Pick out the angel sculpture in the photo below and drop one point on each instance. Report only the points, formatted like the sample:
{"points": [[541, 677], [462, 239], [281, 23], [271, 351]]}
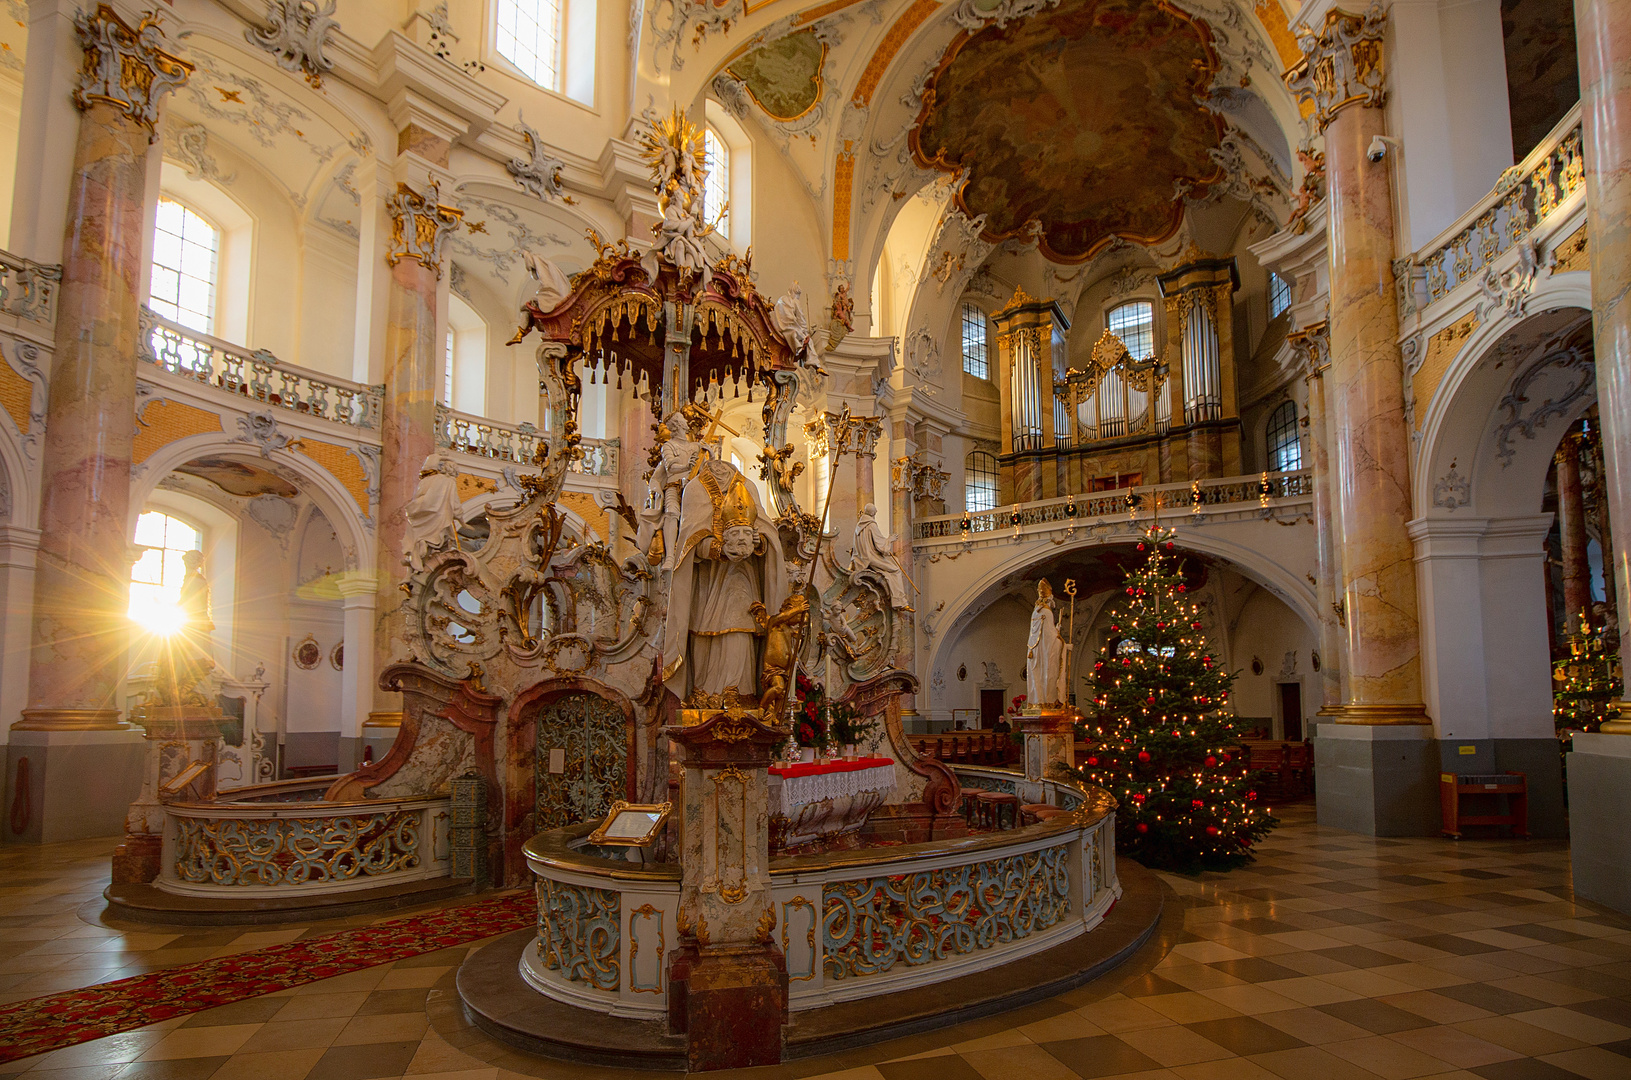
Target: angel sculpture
{"points": [[553, 285]]}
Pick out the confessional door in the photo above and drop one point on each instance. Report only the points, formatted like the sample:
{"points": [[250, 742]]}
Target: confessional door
{"points": [[990, 707], [582, 761], [1291, 711]]}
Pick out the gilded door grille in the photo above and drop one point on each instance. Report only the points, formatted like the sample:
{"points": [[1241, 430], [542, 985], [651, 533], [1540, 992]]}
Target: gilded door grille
{"points": [[591, 732]]}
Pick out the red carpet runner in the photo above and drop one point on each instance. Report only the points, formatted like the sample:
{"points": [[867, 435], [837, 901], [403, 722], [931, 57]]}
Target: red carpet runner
{"points": [[41, 1024]]}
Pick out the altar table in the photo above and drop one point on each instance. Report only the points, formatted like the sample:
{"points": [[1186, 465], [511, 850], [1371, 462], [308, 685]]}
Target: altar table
{"points": [[828, 798]]}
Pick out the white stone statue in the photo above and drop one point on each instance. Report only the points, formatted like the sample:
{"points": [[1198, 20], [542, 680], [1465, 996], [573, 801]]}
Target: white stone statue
{"points": [[729, 559], [677, 455], [1045, 655], [793, 324], [553, 285], [679, 238], [432, 516], [875, 552]]}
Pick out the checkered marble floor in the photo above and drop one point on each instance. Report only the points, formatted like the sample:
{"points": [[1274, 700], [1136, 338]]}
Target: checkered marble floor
{"points": [[1334, 957]]}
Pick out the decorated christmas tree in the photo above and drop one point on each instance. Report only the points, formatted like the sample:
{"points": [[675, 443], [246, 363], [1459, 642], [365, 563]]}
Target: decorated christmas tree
{"points": [[1586, 683], [1160, 731]]}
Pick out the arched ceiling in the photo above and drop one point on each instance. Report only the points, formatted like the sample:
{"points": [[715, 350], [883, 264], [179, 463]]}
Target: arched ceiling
{"points": [[1083, 123]]}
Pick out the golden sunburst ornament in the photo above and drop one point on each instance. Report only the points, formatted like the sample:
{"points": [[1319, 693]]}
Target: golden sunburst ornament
{"points": [[672, 146]]}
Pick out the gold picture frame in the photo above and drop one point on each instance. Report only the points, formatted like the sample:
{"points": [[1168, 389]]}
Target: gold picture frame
{"points": [[631, 824]]}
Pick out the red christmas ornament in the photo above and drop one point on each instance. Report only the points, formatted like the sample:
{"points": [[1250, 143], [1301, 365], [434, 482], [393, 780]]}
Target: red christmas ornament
{"points": [[1245, 841], [1196, 803], [1160, 626], [1150, 700], [1211, 830], [1143, 827], [1226, 759], [1251, 796], [1211, 761], [1194, 626], [1169, 545], [1138, 796], [1144, 756], [1141, 547], [1092, 761], [1182, 587]]}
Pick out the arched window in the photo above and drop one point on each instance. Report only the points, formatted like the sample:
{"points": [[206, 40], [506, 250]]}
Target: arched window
{"points": [[716, 187], [1134, 323], [980, 486], [1279, 296], [185, 247], [155, 579], [1285, 448], [976, 349], [529, 36]]}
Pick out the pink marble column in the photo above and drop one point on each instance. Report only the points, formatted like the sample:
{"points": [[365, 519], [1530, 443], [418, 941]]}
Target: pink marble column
{"points": [[1343, 76], [82, 581], [1571, 520], [408, 426], [1603, 33], [1316, 343]]}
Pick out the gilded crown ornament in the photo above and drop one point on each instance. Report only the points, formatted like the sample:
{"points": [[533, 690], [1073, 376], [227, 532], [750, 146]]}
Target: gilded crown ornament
{"points": [[1341, 65], [419, 225], [127, 68]]}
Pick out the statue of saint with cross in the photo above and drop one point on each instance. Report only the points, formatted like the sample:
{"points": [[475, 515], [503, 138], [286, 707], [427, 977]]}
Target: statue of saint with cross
{"points": [[679, 456]]}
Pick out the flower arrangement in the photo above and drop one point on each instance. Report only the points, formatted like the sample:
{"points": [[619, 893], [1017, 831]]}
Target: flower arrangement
{"points": [[810, 717]]}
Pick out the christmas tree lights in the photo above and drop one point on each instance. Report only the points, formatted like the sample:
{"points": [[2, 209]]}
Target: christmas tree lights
{"points": [[1161, 732], [1586, 682]]}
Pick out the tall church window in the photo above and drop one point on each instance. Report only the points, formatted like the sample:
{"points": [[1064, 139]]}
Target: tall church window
{"points": [[1134, 323], [980, 485], [716, 188], [185, 250], [155, 579], [1279, 295], [976, 343], [529, 36], [1285, 448]]}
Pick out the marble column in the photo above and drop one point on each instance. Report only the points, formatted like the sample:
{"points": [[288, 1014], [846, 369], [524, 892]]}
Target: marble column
{"points": [[419, 226], [1314, 343], [1571, 520], [868, 432], [1342, 75], [358, 597]]}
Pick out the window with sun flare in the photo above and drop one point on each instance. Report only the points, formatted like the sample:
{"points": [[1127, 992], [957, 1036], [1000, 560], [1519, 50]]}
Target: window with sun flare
{"points": [[155, 580]]}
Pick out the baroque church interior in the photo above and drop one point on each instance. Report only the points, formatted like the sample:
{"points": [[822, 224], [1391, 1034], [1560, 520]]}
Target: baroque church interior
{"points": [[868, 539]]}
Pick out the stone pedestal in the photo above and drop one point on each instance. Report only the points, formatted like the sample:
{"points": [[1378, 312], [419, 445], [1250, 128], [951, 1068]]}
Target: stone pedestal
{"points": [[1599, 771], [177, 740], [1050, 739], [727, 978]]}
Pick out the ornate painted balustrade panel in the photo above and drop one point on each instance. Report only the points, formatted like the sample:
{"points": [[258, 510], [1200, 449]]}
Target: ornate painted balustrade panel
{"points": [[852, 925], [1233, 496], [257, 375], [267, 849]]}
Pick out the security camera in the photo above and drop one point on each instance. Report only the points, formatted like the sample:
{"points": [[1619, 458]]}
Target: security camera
{"points": [[1378, 148]]}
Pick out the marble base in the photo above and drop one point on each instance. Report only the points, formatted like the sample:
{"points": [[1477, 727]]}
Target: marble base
{"points": [[80, 783], [735, 1003], [1377, 780], [1599, 769]]}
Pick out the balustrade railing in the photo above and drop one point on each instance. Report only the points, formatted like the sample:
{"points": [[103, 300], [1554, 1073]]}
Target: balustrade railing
{"points": [[257, 375], [469, 434], [1525, 196], [28, 290], [1195, 496]]}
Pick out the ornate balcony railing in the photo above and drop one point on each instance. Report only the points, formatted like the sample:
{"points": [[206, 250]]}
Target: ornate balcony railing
{"points": [[28, 290], [1196, 496], [465, 433], [1525, 196], [258, 375]]}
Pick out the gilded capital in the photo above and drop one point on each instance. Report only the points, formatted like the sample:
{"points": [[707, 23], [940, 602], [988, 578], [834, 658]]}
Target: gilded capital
{"points": [[419, 225], [1341, 65], [1313, 348], [127, 68], [868, 429]]}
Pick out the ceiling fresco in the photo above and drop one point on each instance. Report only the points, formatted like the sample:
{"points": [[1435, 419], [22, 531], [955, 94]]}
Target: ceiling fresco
{"points": [[783, 76], [1084, 122]]}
